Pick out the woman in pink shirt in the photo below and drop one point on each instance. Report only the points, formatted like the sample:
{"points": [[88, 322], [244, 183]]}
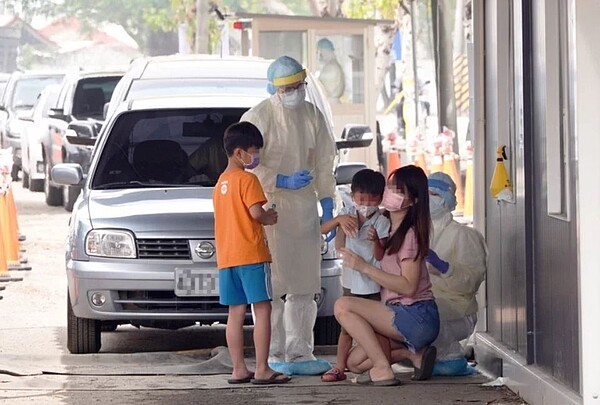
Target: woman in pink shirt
{"points": [[406, 320]]}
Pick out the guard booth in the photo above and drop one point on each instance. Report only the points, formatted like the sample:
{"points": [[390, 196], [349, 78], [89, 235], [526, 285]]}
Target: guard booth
{"points": [[340, 52]]}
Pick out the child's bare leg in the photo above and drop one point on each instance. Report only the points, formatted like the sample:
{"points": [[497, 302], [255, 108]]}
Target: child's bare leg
{"points": [[358, 362], [262, 339], [235, 340], [344, 345]]}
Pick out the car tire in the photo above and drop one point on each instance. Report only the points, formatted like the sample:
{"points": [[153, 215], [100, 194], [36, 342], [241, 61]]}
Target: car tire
{"points": [[25, 179], [70, 195], [36, 185], [326, 330], [54, 195], [83, 335]]}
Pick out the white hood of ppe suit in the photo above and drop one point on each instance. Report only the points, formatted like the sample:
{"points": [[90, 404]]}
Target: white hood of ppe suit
{"points": [[465, 250]]}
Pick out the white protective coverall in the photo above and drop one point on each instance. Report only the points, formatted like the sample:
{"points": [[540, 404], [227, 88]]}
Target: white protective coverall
{"points": [[294, 139], [465, 250]]}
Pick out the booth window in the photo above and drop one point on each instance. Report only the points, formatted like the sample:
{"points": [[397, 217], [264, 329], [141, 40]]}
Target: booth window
{"points": [[341, 68], [274, 44], [557, 142]]}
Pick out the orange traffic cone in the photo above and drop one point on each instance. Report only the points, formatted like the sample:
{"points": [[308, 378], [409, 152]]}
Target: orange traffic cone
{"points": [[437, 164], [393, 161], [468, 210], [451, 169], [421, 162], [7, 242], [3, 265], [9, 235]]}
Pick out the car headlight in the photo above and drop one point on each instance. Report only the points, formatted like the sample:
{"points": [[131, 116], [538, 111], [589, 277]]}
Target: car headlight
{"points": [[110, 243]]}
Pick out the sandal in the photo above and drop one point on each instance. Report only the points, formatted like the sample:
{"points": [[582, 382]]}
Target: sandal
{"points": [[427, 362], [333, 375]]}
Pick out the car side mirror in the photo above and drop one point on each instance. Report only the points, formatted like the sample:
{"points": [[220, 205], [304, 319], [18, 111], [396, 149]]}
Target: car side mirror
{"points": [[345, 171], [3, 107], [83, 129], [58, 113], [355, 136], [75, 139]]}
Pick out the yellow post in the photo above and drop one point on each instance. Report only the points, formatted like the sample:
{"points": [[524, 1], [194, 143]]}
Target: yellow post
{"points": [[468, 211]]}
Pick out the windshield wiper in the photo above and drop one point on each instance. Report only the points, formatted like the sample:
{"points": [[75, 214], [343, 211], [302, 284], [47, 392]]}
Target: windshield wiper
{"points": [[135, 183], [19, 106]]}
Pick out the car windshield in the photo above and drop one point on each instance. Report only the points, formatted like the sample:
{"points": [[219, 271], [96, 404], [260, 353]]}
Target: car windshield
{"points": [[91, 94], [28, 89], [168, 87], [165, 148]]}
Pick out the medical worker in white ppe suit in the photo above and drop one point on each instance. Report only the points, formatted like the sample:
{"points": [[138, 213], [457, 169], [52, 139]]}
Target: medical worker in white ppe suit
{"points": [[296, 173], [457, 266]]}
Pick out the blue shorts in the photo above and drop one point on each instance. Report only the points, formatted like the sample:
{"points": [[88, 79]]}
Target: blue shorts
{"points": [[246, 284], [419, 323]]}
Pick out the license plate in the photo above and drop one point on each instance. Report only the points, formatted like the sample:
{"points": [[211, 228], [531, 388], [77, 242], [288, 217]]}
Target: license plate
{"points": [[196, 282]]}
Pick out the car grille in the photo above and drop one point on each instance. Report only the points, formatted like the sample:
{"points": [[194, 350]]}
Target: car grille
{"points": [[168, 302], [164, 249]]}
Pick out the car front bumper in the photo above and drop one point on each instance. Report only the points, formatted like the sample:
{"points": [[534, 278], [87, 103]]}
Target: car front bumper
{"points": [[144, 290]]}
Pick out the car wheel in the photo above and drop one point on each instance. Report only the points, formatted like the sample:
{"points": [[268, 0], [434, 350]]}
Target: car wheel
{"points": [[54, 195], [70, 195], [83, 335], [25, 179], [327, 331], [35, 184]]}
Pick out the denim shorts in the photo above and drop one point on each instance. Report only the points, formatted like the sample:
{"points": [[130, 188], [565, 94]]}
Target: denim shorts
{"points": [[246, 284], [419, 323]]}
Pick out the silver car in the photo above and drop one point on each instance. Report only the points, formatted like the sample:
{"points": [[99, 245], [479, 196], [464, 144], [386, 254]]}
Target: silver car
{"points": [[140, 248]]}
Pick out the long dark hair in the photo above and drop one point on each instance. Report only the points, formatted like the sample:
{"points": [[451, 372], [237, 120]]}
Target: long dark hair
{"points": [[413, 181]]}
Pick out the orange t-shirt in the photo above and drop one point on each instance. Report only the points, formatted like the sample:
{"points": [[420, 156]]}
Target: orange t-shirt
{"points": [[240, 239]]}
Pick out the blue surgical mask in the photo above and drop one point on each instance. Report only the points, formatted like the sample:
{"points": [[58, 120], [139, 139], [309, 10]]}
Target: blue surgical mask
{"points": [[437, 208], [253, 163], [293, 99]]}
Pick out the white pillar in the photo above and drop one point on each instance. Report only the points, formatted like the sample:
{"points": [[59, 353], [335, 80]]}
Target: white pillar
{"points": [[587, 128]]}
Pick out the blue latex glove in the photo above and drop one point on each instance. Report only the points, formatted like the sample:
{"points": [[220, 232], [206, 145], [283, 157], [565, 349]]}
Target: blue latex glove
{"points": [[295, 181], [327, 207], [433, 259]]}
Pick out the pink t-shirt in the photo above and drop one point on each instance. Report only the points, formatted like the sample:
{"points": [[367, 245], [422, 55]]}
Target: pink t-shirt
{"points": [[392, 264]]}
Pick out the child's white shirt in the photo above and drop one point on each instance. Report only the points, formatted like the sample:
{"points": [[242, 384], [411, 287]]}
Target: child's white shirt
{"points": [[353, 280]]}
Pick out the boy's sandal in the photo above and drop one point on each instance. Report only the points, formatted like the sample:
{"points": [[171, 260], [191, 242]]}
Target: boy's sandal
{"points": [[333, 375]]}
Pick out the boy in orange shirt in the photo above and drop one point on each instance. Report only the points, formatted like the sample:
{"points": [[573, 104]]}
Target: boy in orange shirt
{"points": [[242, 254]]}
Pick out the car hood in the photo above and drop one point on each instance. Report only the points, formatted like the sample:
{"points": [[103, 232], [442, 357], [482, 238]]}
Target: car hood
{"points": [[156, 212]]}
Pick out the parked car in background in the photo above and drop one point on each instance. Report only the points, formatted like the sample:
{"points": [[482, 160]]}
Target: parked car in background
{"points": [[80, 104], [3, 81], [140, 248], [209, 74], [35, 131], [20, 94]]}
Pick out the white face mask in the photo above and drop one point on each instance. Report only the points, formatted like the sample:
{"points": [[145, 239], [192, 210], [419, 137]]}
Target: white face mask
{"points": [[436, 206], [293, 99], [366, 210]]}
